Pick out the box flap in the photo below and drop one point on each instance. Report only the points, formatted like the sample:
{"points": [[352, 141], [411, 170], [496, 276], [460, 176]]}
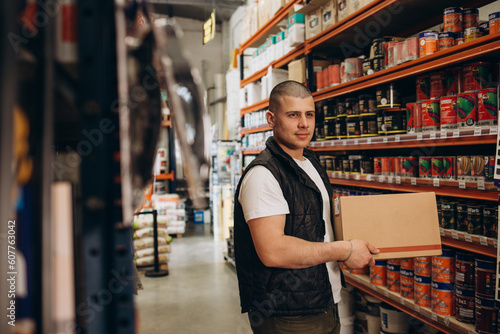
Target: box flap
{"points": [[312, 5], [400, 225]]}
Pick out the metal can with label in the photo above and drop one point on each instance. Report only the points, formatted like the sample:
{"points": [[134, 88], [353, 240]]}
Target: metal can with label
{"points": [[464, 167], [475, 219], [448, 112], [464, 304], [410, 117], [448, 215], [446, 40], [425, 167], [490, 222], [449, 168], [394, 121], [422, 291], [428, 42], [472, 33], [423, 87], [464, 269], [377, 165], [352, 106], [461, 217], [341, 127], [494, 23], [477, 76], [487, 107], [452, 19], [437, 167], [368, 125], [437, 84], [388, 96], [453, 82], [467, 110], [367, 104], [471, 17], [353, 130], [430, 115], [329, 126], [378, 63], [387, 164], [409, 166]]}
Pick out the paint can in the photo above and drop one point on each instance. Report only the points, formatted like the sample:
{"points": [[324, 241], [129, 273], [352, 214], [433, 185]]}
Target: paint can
{"points": [[387, 166], [453, 82], [425, 167], [377, 47], [437, 85], [485, 28], [380, 122], [353, 130], [475, 219], [367, 165], [409, 166], [448, 112], [341, 127], [411, 48], [367, 104], [394, 121], [406, 283], [388, 96], [329, 108], [378, 63], [490, 222], [428, 42], [464, 270], [465, 304], [430, 115], [399, 53], [446, 40], [437, 167], [464, 166], [448, 215], [329, 128], [340, 109], [406, 263], [361, 271], [352, 106], [489, 167], [422, 266], [485, 275], [461, 217], [442, 298], [393, 276], [449, 168], [471, 17], [334, 74], [487, 107], [389, 53], [472, 33], [443, 267], [368, 125], [459, 38], [486, 316], [377, 165], [452, 19], [477, 168], [378, 273], [422, 290], [423, 87], [494, 23], [477, 76], [410, 117], [368, 66], [467, 110]]}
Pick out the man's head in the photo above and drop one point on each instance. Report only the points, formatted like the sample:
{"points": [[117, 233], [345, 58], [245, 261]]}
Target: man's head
{"points": [[291, 115]]}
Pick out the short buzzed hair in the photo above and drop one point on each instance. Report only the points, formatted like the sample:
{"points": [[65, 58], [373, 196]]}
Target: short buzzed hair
{"points": [[287, 88]]}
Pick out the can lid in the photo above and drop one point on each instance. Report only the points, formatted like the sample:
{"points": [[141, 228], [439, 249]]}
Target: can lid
{"points": [[352, 116]]}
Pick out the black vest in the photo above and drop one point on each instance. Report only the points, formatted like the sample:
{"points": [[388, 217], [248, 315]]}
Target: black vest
{"points": [[278, 291]]}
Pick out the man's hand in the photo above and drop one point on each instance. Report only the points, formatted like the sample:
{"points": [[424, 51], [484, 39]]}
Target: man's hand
{"points": [[361, 254]]}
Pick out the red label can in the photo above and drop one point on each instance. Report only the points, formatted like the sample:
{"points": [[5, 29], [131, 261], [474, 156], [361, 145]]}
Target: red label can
{"points": [[377, 165], [477, 76], [487, 107], [397, 166], [449, 168], [422, 291], [410, 117], [425, 167], [494, 20], [448, 112], [453, 83], [466, 109], [409, 166], [388, 166], [437, 85], [407, 264], [443, 269], [442, 298], [423, 88], [452, 19], [437, 167], [422, 266], [378, 273], [430, 115], [471, 17], [446, 40], [406, 285], [393, 276]]}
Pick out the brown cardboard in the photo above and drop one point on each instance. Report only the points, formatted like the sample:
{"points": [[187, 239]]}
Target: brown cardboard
{"points": [[297, 70], [314, 25], [329, 14], [400, 225]]}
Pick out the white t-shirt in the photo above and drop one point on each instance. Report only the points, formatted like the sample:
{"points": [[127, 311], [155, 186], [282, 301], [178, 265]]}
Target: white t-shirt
{"points": [[261, 196]]}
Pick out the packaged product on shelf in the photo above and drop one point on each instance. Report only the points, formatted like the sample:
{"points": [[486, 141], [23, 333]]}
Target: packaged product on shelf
{"points": [[409, 166], [442, 298], [437, 167], [263, 12], [446, 40], [477, 167], [461, 217], [443, 267], [487, 110], [448, 215], [150, 260], [428, 41], [431, 115], [399, 56], [253, 93], [477, 76], [329, 14], [410, 117], [393, 276], [378, 273], [341, 127], [407, 283], [425, 167], [378, 63], [141, 253], [350, 69], [494, 23], [486, 315], [485, 274], [367, 165], [355, 164], [330, 167], [394, 120], [471, 34], [393, 320], [465, 304], [313, 23], [411, 48], [423, 84], [448, 112], [377, 165], [464, 270], [485, 28], [296, 30], [449, 168], [490, 222], [459, 38], [368, 125], [464, 166], [422, 266], [453, 81], [471, 17], [475, 219], [148, 232], [437, 80], [422, 291], [149, 242], [334, 75], [297, 70], [367, 104], [387, 166], [342, 9], [452, 19]]}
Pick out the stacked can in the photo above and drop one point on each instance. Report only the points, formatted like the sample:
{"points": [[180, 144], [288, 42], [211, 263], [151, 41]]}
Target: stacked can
{"points": [[393, 275], [486, 313], [464, 287], [442, 286], [330, 119], [378, 273], [423, 279], [406, 278], [391, 119], [448, 218], [477, 77]]}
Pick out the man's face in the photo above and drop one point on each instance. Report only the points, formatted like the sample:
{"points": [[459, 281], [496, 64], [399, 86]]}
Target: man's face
{"points": [[293, 124]]}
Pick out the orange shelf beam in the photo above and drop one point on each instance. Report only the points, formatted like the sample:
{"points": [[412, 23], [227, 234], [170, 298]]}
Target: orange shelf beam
{"points": [[257, 106], [441, 191], [263, 128], [252, 152], [161, 177], [470, 247]]}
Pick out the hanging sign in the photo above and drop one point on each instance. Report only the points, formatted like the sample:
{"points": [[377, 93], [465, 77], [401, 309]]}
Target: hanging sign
{"points": [[209, 29]]}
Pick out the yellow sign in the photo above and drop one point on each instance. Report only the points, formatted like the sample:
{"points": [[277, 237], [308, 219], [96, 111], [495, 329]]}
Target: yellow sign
{"points": [[209, 29]]}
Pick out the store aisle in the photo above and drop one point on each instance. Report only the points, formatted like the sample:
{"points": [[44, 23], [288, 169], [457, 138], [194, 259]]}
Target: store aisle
{"points": [[200, 294]]}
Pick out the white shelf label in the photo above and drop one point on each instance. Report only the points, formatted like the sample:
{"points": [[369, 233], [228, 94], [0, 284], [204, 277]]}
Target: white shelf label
{"points": [[447, 321], [432, 135], [397, 138], [417, 308], [495, 243], [454, 234], [493, 130], [456, 133], [369, 177], [468, 237], [483, 241], [385, 139], [480, 184], [413, 181], [436, 182], [434, 316], [420, 136], [444, 134], [402, 301], [369, 141], [398, 179], [344, 142], [461, 184], [390, 179], [346, 176], [356, 142], [381, 178], [471, 331], [386, 293], [357, 177], [441, 231], [477, 131]]}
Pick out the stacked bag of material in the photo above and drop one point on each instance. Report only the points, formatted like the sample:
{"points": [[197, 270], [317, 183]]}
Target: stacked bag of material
{"points": [[144, 240], [171, 211]]}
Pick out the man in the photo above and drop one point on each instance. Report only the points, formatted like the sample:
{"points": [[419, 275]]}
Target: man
{"points": [[286, 256]]}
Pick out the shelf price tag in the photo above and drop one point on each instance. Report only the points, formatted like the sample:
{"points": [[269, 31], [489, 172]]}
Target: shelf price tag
{"points": [[477, 131], [468, 237], [456, 133], [356, 141], [434, 316], [386, 293], [420, 136], [495, 243], [369, 141], [461, 184], [398, 179], [417, 308], [390, 179], [344, 142], [369, 177], [413, 181], [381, 178], [436, 182], [357, 177], [483, 241], [402, 300], [447, 321], [454, 235], [493, 130], [385, 139], [444, 134], [432, 135], [346, 176], [397, 138], [480, 184], [441, 231]]}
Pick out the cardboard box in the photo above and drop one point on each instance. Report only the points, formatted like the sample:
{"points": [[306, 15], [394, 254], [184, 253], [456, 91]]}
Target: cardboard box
{"points": [[400, 225], [296, 30], [329, 14], [354, 6], [297, 70], [314, 24], [342, 9]]}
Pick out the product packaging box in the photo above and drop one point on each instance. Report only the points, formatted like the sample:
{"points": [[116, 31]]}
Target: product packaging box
{"points": [[296, 30], [313, 23], [329, 14], [343, 8], [297, 70], [354, 6], [399, 225]]}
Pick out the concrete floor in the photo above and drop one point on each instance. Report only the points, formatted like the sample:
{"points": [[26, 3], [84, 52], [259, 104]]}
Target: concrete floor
{"points": [[200, 294]]}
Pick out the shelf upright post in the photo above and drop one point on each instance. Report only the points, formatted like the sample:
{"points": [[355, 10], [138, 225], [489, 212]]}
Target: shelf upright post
{"points": [[105, 302], [242, 65], [310, 72]]}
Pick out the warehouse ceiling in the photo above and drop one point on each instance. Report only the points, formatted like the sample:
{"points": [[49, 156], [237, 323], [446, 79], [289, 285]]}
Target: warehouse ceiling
{"points": [[197, 9]]}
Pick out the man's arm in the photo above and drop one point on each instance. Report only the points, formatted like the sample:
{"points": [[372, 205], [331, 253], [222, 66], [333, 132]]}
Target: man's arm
{"points": [[275, 249]]}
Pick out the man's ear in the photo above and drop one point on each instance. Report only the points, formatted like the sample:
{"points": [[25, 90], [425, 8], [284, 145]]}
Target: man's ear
{"points": [[271, 118]]}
